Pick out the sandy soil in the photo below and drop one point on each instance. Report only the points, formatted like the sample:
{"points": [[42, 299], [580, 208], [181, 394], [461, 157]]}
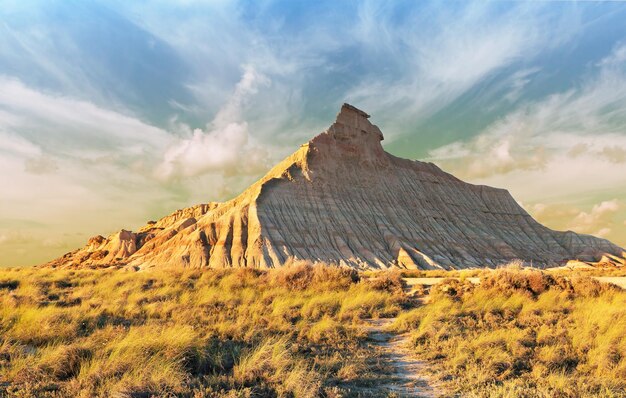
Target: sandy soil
{"points": [[407, 378], [616, 280]]}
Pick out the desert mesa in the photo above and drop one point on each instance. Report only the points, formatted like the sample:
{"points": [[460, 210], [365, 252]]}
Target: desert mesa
{"points": [[340, 198]]}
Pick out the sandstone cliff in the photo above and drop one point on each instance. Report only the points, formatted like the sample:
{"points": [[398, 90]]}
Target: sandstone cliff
{"points": [[340, 198]]}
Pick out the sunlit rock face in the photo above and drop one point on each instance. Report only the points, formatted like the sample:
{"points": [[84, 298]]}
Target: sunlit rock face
{"points": [[340, 198]]}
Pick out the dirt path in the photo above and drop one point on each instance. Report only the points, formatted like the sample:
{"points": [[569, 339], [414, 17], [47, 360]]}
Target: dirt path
{"points": [[406, 379]]}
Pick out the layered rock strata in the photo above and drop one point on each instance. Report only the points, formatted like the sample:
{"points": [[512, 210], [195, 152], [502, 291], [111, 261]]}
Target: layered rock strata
{"points": [[340, 198]]}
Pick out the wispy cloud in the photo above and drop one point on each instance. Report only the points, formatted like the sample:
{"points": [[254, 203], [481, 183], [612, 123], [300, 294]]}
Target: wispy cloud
{"points": [[119, 169], [225, 146], [65, 125], [563, 152], [588, 122], [89, 52], [120, 111], [599, 219], [65, 160], [445, 51], [518, 81]]}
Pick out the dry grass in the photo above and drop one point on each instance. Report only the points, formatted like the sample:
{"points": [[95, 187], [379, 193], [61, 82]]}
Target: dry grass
{"points": [[298, 332], [596, 271], [524, 333], [189, 333], [466, 273]]}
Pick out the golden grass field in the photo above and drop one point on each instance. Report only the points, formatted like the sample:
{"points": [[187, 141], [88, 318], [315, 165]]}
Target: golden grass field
{"points": [[209, 333], [302, 332], [523, 333]]}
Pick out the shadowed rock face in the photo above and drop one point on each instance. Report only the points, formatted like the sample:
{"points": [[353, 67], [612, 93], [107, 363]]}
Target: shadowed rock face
{"points": [[341, 198]]}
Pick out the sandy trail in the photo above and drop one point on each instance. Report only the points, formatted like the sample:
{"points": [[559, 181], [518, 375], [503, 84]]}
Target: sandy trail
{"points": [[407, 379], [616, 280]]}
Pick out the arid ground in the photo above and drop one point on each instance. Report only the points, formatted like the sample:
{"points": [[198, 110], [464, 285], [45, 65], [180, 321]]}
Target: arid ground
{"points": [[307, 331]]}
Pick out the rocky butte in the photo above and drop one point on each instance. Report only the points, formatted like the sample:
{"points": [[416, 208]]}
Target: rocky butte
{"points": [[340, 198]]}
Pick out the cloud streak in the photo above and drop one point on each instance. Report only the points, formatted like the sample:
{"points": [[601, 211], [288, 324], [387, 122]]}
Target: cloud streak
{"points": [[557, 127], [65, 125], [600, 219], [597, 221], [116, 112], [446, 51], [225, 146]]}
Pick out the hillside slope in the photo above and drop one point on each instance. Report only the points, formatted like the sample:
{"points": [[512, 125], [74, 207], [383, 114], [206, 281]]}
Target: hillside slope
{"points": [[341, 198]]}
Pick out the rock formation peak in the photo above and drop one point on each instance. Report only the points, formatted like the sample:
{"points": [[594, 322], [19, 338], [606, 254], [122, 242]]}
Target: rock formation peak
{"points": [[340, 198], [351, 139], [353, 127]]}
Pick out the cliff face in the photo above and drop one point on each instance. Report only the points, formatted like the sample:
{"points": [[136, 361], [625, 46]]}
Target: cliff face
{"points": [[342, 199]]}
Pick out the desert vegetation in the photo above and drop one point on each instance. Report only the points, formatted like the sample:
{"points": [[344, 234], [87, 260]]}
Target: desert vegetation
{"points": [[240, 332], [523, 333], [301, 331]]}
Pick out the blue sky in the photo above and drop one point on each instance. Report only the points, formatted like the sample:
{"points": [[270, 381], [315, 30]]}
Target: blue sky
{"points": [[114, 112]]}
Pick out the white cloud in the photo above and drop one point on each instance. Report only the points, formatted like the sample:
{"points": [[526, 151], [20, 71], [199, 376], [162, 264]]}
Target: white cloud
{"points": [[444, 51], [87, 147], [616, 58], [614, 154], [225, 146], [44, 132], [506, 146], [102, 161], [11, 143], [67, 125], [555, 129], [34, 48], [242, 35], [598, 220], [518, 81], [399, 67]]}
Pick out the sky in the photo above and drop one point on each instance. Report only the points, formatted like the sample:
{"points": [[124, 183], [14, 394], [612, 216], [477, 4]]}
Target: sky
{"points": [[113, 113]]}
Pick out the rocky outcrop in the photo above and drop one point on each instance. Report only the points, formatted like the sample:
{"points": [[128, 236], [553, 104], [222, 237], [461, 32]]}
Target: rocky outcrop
{"points": [[340, 198]]}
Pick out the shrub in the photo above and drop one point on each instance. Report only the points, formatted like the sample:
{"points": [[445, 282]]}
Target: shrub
{"points": [[10, 284], [389, 281]]}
